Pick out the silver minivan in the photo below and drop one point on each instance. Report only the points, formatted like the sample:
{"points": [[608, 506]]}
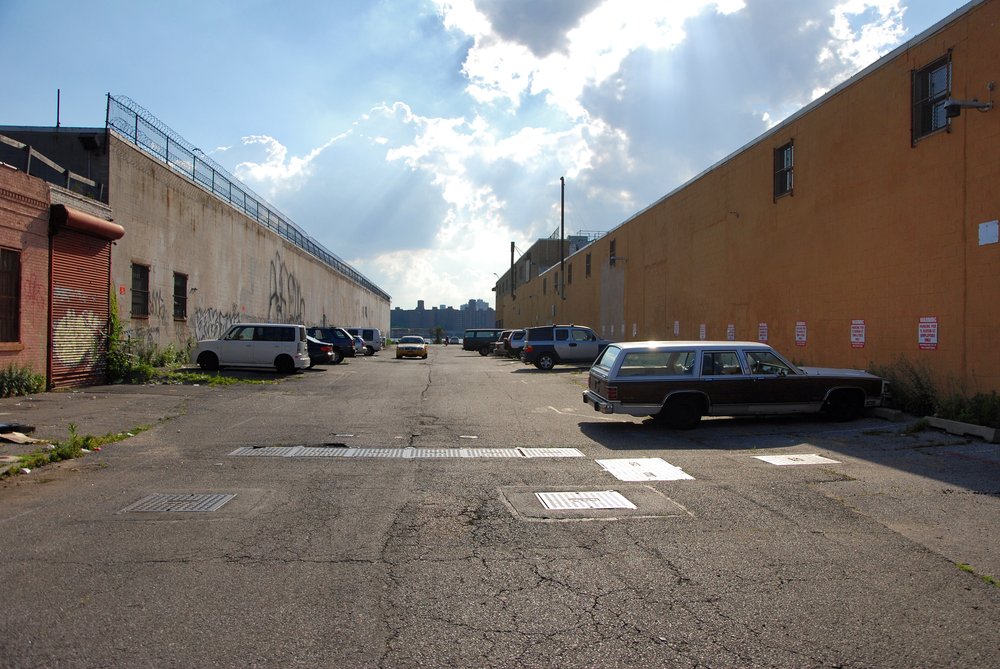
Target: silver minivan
{"points": [[279, 345], [372, 337]]}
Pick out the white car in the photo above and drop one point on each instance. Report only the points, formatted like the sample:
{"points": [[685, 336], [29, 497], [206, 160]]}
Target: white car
{"points": [[279, 345]]}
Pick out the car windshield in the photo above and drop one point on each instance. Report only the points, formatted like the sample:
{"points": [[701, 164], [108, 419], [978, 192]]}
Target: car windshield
{"points": [[411, 340]]}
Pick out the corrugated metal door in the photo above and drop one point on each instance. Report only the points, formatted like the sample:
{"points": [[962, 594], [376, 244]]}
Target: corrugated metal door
{"points": [[81, 272]]}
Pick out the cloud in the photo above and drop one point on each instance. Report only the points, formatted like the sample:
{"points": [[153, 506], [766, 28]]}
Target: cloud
{"points": [[625, 100], [278, 172]]}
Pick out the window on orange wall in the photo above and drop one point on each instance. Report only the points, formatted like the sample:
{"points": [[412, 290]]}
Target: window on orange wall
{"points": [[784, 170], [586, 267], [569, 274], [611, 259], [10, 295], [931, 88], [140, 291]]}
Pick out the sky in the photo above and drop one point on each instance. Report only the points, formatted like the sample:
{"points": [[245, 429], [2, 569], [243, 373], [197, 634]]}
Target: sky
{"points": [[416, 139]]}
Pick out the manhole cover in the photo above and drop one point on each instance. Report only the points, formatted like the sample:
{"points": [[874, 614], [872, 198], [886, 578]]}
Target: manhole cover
{"points": [[804, 459], [604, 499], [643, 469], [185, 502]]}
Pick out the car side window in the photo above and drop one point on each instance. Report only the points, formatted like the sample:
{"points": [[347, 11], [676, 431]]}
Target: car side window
{"points": [[562, 335], [765, 362], [241, 334], [583, 335], [720, 363]]}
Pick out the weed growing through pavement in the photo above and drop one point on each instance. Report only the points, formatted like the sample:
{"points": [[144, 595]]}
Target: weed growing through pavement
{"points": [[74, 447], [985, 578]]}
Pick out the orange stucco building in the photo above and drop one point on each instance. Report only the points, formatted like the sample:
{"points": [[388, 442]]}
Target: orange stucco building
{"points": [[861, 229]]}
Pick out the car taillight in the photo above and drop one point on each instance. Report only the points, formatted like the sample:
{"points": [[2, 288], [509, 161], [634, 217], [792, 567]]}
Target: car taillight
{"points": [[528, 348], [613, 393], [326, 349]]}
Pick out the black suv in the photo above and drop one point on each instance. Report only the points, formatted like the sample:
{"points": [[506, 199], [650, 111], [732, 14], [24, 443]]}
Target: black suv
{"points": [[545, 347], [341, 341]]}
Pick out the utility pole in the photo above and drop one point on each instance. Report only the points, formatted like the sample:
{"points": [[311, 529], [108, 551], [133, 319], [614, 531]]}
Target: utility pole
{"points": [[562, 237]]}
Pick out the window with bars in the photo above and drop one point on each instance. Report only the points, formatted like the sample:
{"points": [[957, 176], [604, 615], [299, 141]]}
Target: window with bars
{"points": [[140, 291], [586, 266], [784, 170], [612, 256], [10, 295], [931, 89], [180, 296]]}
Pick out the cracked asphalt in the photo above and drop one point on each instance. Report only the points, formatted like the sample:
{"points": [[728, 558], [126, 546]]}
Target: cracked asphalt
{"points": [[882, 558]]}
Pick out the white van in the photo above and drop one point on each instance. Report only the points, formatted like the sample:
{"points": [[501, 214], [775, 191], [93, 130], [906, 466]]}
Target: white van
{"points": [[372, 337], [279, 345]]}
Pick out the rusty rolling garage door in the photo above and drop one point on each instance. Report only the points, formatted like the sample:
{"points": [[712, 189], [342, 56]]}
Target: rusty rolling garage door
{"points": [[81, 275]]}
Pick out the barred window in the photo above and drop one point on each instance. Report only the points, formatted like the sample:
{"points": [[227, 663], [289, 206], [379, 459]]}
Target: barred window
{"points": [[140, 291], [10, 295], [587, 266], [180, 296], [931, 89], [784, 170]]}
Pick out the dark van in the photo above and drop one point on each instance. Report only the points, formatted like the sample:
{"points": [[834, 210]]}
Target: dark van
{"points": [[480, 340]]}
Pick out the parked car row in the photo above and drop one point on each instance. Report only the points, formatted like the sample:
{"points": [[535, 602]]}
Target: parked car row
{"points": [[286, 347]]}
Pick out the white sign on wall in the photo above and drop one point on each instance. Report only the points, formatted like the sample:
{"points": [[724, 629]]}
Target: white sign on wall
{"points": [[858, 333], [762, 332], [731, 332], [800, 333], [677, 328], [702, 330], [927, 333]]}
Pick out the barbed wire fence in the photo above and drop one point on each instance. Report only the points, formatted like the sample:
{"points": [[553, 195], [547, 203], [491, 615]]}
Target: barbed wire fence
{"points": [[136, 125]]}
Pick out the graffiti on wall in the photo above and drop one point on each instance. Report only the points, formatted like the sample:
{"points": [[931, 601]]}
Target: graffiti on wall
{"points": [[211, 323], [286, 302], [76, 338], [157, 305]]}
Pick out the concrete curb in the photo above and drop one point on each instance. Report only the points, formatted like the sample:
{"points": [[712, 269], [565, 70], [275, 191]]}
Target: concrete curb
{"points": [[987, 434]]}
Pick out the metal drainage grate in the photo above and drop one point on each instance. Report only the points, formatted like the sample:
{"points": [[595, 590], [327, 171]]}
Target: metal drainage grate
{"points": [[603, 499], [188, 502], [404, 453]]}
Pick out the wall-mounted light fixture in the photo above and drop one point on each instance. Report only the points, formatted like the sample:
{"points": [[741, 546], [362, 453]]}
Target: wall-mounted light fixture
{"points": [[953, 108]]}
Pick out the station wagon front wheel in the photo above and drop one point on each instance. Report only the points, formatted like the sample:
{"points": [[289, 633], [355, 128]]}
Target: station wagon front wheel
{"points": [[284, 365], [681, 413]]}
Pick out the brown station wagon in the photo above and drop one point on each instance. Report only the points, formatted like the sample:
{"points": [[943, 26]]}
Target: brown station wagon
{"points": [[678, 382]]}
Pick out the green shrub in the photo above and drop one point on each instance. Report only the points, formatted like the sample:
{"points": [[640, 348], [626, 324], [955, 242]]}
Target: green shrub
{"points": [[911, 387], [980, 409], [16, 380]]}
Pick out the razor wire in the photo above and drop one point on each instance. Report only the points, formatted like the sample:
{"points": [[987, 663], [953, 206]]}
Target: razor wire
{"points": [[136, 125]]}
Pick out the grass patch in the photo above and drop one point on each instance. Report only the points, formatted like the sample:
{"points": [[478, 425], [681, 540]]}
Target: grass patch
{"points": [[74, 447], [985, 578]]}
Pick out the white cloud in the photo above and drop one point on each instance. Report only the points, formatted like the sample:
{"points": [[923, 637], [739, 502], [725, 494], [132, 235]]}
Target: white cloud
{"points": [[278, 172]]}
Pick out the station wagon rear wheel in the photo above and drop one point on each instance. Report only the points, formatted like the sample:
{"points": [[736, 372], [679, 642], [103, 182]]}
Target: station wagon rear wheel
{"points": [[681, 413], [484, 350], [338, 357]]}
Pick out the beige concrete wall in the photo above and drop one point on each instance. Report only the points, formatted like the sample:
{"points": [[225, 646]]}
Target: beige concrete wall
{"points": [[878, 230], [237, 270]]}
